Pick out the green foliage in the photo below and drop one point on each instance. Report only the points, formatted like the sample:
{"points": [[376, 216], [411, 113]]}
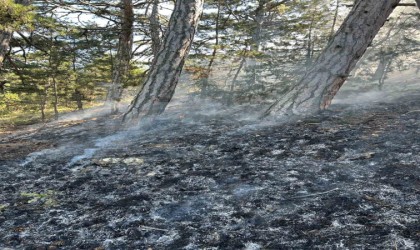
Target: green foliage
{"points": [[47, 199], [3, 207], [135, 77], [58, 65], [8, 98], [14, 16]]}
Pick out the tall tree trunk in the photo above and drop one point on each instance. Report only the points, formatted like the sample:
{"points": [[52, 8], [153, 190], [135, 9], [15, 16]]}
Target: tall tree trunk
{"points": [[206, 83], [164, 73], [5, 37], [2, 84], [337, 5], [78, 97], [121, 66], [55, 98], [229, 100], [155, 28], [384, 69], [310, 45], [255, 46], [44, 97], [323, 80]]}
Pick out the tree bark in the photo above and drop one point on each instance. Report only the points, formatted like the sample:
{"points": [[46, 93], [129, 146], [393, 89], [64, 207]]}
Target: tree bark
{"points": [[315, 91], [121, 66], [166, 68]]}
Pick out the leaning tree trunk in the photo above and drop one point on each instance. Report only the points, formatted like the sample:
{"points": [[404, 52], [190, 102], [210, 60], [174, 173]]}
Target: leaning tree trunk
{"points": [[323, 80], [167, 66], [121, 66]]}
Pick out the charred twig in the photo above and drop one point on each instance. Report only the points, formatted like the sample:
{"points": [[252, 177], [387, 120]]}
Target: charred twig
{"points": [[412, 111], [398, 5], [312, 195], [153, 228]]}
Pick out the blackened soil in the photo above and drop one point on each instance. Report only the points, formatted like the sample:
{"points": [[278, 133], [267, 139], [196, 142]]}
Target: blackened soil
{"points": [[346, 179]]}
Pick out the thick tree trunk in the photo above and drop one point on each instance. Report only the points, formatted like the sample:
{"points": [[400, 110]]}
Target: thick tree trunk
{"points": [[323, 80], [164, 73], [121, 66]]}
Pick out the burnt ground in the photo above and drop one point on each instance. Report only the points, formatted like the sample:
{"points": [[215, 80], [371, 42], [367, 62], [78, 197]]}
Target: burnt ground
{"points": [[348, 178]]}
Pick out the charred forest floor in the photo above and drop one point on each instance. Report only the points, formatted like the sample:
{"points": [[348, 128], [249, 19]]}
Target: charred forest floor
{"points": [[348, 178]]}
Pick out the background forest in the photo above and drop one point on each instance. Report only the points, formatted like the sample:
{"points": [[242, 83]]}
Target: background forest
{"points": [[66, 55]]}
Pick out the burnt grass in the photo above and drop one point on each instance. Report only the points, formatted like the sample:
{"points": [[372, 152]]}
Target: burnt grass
{"points": [[347, 178]]}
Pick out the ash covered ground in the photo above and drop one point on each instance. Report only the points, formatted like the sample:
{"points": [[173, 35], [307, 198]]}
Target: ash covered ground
{"points": [[347, 178]]}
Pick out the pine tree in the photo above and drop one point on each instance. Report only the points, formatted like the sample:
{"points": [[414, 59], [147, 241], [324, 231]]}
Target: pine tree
{"points": [[167, 66], [323, 80]]}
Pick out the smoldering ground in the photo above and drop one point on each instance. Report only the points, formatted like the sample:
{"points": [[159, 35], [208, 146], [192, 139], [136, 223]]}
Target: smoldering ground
{"points": [[345, 178]]}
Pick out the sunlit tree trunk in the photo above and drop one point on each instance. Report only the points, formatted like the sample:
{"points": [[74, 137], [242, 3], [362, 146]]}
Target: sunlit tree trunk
{"points": [[323, 80], [121, 66], [166, 68]]}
